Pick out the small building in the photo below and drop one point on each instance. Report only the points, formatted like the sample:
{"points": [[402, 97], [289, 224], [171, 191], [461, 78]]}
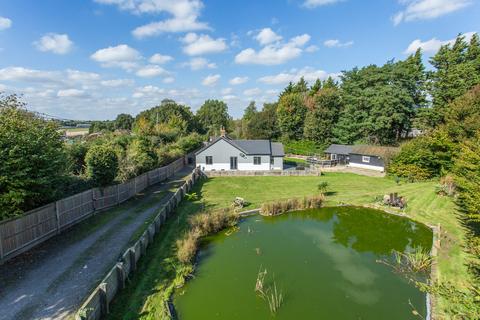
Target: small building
{"points": [[338, 152], [223, 153], [362, 156]]}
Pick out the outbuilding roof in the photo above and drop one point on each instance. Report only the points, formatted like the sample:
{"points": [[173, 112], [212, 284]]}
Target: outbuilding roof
{"points": [[384, 152], [339, 149], [277, 149]]}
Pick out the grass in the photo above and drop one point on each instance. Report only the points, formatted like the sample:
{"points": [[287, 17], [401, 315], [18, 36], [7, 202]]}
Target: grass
{"points": [[144, 298]]}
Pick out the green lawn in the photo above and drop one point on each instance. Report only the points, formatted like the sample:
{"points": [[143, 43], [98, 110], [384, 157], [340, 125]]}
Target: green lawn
{"points": [[424, 205]]}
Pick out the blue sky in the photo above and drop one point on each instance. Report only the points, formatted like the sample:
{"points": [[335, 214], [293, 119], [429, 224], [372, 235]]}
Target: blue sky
{"points": [[94, 59]]}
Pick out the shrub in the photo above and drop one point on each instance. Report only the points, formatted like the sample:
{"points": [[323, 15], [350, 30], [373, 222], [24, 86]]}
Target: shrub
{"points": [[102, 164], [322, 187], [447, 186], [410, 171], [187, 247], [211, 222], [32, 159]]}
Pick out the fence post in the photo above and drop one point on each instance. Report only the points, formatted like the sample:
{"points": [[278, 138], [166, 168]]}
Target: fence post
{"points": [[120, 275], [1, 245], [57, 216], [103, 298], [118, 195], [133, 264]]}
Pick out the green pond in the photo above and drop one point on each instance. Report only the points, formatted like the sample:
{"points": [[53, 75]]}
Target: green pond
{"points": [[325, 263]]}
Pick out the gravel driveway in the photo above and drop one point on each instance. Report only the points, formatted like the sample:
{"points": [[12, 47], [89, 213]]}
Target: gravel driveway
{"points": [[50, 281]]}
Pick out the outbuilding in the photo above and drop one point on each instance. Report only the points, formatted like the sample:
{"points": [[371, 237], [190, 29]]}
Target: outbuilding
{"points": [[361, 156]]}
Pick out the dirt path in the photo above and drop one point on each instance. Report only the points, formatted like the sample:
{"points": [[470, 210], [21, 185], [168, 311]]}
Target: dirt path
{"points": [[50, 281]]}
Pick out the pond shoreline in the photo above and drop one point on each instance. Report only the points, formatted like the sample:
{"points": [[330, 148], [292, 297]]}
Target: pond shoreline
{"points": [[430, 299]]}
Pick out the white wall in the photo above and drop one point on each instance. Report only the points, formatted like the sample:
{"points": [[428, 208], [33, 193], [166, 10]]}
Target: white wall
{"points": [[366, 166], [277, 163], [221, 151]]}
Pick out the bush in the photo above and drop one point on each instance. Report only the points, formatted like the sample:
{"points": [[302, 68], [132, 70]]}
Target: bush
{"points": [[447, 186], [303, 147], [411, 172], [102, 164], [32, 159], [424, 157], [187, 247]]}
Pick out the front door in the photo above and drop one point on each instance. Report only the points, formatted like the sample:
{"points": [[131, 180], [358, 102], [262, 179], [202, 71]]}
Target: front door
{"points": [[233, 163]]}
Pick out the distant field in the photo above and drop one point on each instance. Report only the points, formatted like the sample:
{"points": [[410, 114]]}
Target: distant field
{"points": [[72, 132]]}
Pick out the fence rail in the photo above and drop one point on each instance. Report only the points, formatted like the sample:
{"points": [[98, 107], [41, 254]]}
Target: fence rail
{"points": [[96, 305], [36, 226], [238, 173]]}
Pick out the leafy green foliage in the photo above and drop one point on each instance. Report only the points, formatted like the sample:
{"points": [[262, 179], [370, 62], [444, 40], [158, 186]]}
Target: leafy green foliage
{"points": [[265, 124], [303, 147], [424, 157], [124, 122], [457, 71], [322, 116], [32, 159], [467, 177], [102, 164], [213, 115], [291, 113]]}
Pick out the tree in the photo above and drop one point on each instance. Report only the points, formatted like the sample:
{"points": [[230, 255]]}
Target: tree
{"points": [[124, 121], [169, 116], [457, 71], [467, 177], [102, 164], [265, 124], [32, 159], [213, 115], [248, 115], [462, 116], [291, 113], [321, 119]]}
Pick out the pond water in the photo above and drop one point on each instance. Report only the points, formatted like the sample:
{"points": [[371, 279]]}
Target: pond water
{"points": [[325, 263]]}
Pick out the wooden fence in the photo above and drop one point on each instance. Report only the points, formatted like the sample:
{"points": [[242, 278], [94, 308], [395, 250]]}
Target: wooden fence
{"points": [[20, 234], [96, 305]]}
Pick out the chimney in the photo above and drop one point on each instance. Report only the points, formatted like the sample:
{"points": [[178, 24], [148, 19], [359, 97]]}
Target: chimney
{"points": [[222, 132]]}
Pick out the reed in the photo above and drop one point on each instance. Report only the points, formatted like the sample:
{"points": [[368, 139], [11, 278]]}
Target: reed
{"points": [[268, 292], [280, 207], [410, 264]]}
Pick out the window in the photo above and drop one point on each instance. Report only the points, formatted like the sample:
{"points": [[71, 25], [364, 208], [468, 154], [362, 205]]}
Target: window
{"points": [[333, 156], [272, 160], [257, 160], [209, 160], [366, 159]]}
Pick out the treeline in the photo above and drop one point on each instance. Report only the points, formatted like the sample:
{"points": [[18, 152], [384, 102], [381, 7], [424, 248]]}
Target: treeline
{"points": [[373, 104], [37, 166]]}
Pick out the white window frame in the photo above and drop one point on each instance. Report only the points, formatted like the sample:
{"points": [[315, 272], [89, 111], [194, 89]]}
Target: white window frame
{"points": [[333, 156], [366, 159], [206, 160], [259, 161]]}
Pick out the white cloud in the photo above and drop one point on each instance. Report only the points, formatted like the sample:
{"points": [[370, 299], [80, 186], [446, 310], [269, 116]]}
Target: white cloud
{"points": [[5, 23], [274, 54], [168, 80], [150, 71], [147, 91], [211, 80], [121, 56], [252, 92], [28, 75], [71, 93], [238, 80], [312, 48], [267, 36], [335, 43], [199, 63], [158, 58], [202, 44], [427, 9], [309, 74], [432, 45], [55, 43], [227, 91], [184, 15], [81, 76], [117, 83], [318, 3]]}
